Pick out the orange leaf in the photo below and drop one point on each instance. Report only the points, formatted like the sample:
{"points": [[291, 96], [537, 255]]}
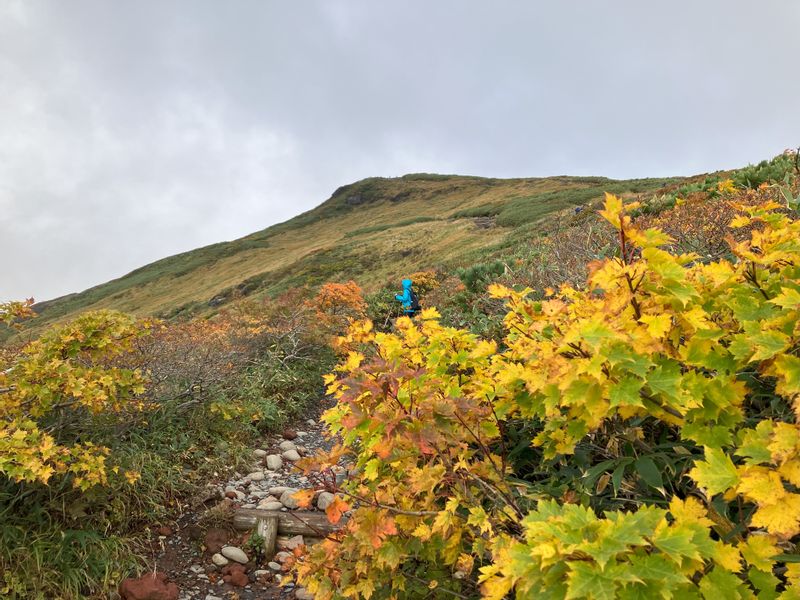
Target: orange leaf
{"points": [[304, 498], [336, 509]]}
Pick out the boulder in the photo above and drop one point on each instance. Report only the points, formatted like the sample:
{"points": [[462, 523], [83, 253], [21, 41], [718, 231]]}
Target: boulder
{"points": [[274, 462], [287, 445], [148, 587], [259, 453]]}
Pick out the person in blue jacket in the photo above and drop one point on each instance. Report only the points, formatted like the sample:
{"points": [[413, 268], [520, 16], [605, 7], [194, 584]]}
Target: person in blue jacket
{"points": [[408, 299]]}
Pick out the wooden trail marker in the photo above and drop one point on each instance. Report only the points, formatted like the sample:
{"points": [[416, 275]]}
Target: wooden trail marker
{"points": [[311, 524], [267, 528]]}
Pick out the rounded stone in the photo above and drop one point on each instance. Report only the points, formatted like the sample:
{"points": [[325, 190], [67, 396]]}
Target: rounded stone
{"points": [[287, 498], [274, 462], [287, 445], [324, 500], [235, 554], [219, 560], [291, 455]]}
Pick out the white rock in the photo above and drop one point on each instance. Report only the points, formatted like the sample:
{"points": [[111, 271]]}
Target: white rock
{"points": [[278, 490], [274, 566], [259, 453], [302, 450], [197, 569], [235, 554], [260, 494], [282, 556], [256, 476], [291, 455], [219, 560], [287, 500], [324, 500], [230, 488], [303, 594], [274, 462], [260, 572], [287, 445], [240, 495], [301, 433], [249, 505], [212, 597], [270, 505], [311, 422]]}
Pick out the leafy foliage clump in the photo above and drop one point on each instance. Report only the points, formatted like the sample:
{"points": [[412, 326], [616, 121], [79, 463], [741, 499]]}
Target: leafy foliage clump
{"points": [[530, 467]]}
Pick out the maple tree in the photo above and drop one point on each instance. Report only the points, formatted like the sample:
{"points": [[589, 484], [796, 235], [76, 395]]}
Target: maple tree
{"points": [[659, 354]]}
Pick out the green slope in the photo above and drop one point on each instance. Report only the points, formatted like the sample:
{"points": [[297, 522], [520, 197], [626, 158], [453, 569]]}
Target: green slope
{"points": [[369, 231]]}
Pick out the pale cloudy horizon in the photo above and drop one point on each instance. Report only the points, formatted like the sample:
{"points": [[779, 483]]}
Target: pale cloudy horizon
{"points": [[134, 131]]}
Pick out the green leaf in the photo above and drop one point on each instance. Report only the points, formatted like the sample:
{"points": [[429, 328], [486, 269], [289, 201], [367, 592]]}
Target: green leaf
{"points": [[649, 472], [768, 343], [626, 392], [616, 477], [665, 379], [717, 473], [707, 435], [723, 584], [676, 542], [657, 567], [765, 583], [586, 580]]}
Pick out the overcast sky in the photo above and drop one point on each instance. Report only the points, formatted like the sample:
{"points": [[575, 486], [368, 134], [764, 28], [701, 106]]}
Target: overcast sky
{"points": [[130, 131]]}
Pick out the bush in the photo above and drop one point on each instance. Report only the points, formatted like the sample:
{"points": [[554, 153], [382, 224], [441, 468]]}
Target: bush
{"points": [[661, 402], [108, 424]]}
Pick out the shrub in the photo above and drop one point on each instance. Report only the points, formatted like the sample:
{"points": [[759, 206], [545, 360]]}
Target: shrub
{"points": [[661, 402], [477, 276]]}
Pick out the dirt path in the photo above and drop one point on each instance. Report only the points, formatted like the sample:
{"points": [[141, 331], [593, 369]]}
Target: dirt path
{"points": [[200, 549]]}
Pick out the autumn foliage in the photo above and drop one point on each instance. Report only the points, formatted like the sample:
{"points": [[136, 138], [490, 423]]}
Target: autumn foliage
{"points": [[66, 373], [633, 438]]}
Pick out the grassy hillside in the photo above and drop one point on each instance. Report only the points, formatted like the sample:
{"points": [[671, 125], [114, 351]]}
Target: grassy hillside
{"points": [[371, 230]]}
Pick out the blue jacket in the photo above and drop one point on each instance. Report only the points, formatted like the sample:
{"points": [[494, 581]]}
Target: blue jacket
{"points": [[405, 297]]}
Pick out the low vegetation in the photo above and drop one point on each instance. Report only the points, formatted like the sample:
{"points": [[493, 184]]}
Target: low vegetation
{"points": [[632, 437]]}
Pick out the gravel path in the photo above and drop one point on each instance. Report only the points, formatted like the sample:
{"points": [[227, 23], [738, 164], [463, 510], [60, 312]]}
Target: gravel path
{"points": [[210, 561]]}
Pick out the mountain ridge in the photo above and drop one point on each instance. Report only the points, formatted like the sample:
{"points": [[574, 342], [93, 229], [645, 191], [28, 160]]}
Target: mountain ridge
{"points": [[368, 230]]}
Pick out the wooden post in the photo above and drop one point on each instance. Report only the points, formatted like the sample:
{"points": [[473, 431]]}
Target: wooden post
{"points": [[267, 528]]}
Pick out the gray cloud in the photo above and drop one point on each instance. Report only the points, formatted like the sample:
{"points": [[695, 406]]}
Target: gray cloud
{"points": [[130, 131]]}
